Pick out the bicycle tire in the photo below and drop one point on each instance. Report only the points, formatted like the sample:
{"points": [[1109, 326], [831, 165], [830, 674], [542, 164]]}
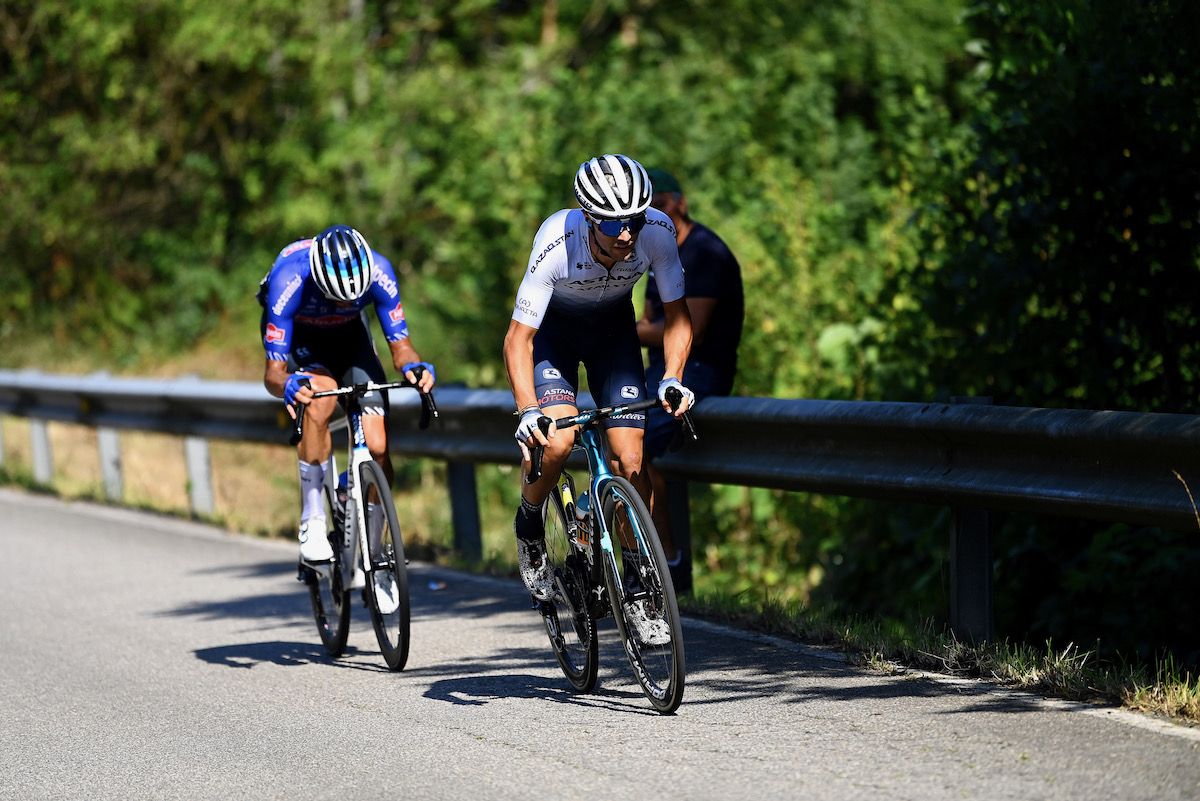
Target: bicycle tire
{"points": [[330, 600], [392, 628], [569, 625], [659, 669]]}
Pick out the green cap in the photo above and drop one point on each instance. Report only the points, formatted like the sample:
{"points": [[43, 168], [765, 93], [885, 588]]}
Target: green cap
{"points": [[663, 181]]}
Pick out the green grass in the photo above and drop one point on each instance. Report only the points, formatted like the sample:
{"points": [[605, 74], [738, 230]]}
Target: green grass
{"points": [[889, 646]]}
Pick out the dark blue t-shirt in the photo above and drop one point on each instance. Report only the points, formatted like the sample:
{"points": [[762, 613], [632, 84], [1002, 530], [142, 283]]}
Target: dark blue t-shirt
{"points": [[710, 271]]}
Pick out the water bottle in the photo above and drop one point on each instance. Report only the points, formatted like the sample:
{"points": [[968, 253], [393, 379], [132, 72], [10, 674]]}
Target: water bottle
{"points": [[582, 504], [342, 489], [343, 493]]}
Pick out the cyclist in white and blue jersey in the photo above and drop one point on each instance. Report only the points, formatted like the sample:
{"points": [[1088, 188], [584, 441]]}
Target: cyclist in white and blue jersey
{"points": [[575, 306], [315, 327]]}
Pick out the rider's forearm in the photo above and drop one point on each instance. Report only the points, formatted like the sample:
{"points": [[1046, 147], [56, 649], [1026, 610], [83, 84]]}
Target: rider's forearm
{"points": [[403, 353], [518, 365], [677, 342], [650, 334], [275, 376]]}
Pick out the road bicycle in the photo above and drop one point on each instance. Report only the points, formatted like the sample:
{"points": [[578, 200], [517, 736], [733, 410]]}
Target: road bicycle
{"points": [[607, 561], [383, 577]]}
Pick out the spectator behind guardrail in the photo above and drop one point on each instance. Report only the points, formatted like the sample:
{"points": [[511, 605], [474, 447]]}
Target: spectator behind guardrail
{"points": [[714, 297]]}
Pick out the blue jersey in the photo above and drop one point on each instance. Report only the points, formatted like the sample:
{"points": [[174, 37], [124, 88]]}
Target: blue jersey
{"points": [[292, 300]]}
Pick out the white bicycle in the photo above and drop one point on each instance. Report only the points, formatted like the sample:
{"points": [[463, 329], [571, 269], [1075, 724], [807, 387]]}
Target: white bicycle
{"points": [[355, 530]]}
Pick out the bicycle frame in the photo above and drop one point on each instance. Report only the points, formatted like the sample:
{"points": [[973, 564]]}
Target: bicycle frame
{"points": [[354, 521], [592, 580], [590, 440]]}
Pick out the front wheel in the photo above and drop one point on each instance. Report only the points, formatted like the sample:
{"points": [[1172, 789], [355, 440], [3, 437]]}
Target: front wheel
{"points": [[643, 597], [330, 600], [570, 627], [387, 579]]}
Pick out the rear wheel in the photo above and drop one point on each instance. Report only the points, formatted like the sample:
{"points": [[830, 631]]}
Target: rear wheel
{"points": [[643, 597], [387, 581], [571, 629], [330, 600]]}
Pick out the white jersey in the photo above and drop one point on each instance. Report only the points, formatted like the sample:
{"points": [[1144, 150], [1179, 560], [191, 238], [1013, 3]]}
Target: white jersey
{"points": [[565, 278]]}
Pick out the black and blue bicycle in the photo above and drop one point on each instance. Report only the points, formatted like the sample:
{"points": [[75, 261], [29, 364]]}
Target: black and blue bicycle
{"points": [[607, 561]]}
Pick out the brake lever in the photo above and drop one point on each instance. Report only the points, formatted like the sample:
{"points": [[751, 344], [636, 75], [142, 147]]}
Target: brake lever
{"points": [[298, 424], [674, 398], [429, 410], [536, 454]]}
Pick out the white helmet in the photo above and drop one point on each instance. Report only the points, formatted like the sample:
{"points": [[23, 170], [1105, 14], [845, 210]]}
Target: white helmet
{"points": [[341, 263], [612, 187]]}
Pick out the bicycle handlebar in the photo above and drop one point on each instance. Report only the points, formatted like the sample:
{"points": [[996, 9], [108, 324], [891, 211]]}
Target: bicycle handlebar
{"points": [[429, 409], [587, 417]]}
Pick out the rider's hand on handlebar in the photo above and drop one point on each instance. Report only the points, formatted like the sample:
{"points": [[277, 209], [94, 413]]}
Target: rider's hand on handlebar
{"points": [[528, 429], [425, 383], [297, 390], [689, 397]]}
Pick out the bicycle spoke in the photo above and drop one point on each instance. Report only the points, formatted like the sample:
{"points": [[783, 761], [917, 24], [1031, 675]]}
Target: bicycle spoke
{"points": [[330, 600], [571, 629], [387, 585], [643, 599]]}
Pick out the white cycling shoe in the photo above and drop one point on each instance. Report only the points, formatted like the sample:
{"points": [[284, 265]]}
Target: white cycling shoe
{"points": [[314, 540], [387, 595], [650, 630]]}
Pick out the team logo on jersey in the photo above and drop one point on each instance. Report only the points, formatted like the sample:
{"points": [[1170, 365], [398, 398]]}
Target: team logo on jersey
{"points": [[397, 314], [551, 373], [292, 287], [629, 392], [303, 244], [546, 252], [388, 284], [274, 333]]}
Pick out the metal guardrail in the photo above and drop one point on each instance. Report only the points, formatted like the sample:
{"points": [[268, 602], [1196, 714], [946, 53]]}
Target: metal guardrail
{"points": [[1117, 466]]}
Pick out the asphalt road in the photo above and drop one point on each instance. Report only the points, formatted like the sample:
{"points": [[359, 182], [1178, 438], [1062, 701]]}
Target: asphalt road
{"points": [[149, 658]]}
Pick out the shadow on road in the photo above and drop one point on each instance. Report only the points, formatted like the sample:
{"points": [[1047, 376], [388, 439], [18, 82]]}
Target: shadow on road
{"points": [[280, 652], [721, 668]]}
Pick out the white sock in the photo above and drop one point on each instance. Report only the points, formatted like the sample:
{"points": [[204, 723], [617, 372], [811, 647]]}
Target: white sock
{"points": [[312, 476]]}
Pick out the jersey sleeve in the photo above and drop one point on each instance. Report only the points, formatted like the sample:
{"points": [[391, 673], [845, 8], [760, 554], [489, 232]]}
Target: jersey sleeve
{"points": [[545, 262], [659, 241], [283, 300], [385, 294]]}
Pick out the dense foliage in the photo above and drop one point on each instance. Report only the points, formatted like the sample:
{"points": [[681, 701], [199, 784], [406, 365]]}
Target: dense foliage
{"points": [[1065, 266], [928, 197], [1065, 244]]}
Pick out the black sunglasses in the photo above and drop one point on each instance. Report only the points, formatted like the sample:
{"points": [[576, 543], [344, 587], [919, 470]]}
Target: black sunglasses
{"points": [[615, 227]]}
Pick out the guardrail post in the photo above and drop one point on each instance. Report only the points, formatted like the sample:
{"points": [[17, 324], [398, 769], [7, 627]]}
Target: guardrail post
{"points": [[971, 609], [109, 442], [681, 523], [199, 475], [464, 509], [39, 440]]}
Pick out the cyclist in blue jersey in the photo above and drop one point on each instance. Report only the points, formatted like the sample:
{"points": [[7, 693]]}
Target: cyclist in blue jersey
{"points": [[574, 306], [315, 327]]}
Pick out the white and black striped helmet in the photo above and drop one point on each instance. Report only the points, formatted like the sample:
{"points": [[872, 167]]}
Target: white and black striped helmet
{"points": [[341, 263], [612, 187]]}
